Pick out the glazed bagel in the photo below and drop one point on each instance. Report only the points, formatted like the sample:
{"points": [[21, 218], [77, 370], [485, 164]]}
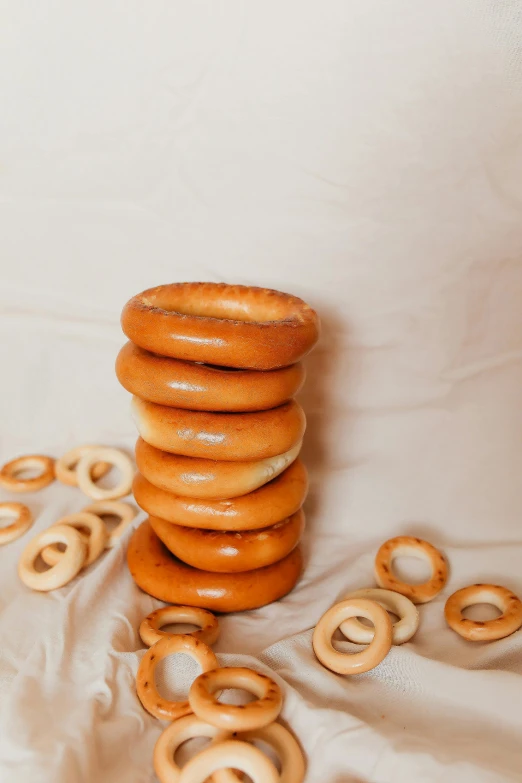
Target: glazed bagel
{"points": [[161, 575], [227, 325], [221, 436], [205, 478], [263, 507], [227, 552], [201, 387]]}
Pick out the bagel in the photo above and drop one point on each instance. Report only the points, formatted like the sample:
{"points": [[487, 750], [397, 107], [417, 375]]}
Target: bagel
{"points": [[205, 478], [263, 507], [221, 436], [227, 325], [228, 552], [161, 575], [201, 387]]}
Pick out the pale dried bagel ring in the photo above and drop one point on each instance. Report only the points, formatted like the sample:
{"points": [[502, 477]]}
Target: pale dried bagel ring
{"points": [[227, 325], [113, 456], [23, 520], [146, 688], [208, 632], [411, 547], [356, 663], [245, 437], [173, 737], [67, 567], [403, 629], [208, 478], [230, 754], [8, 473], [233, 717], [109, 508], [65, 467], [96, 539], [202, 387], [285, 746], [489, 630]]}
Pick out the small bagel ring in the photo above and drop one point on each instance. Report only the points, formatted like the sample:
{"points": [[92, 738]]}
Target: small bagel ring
{"points": [[227, 325], [489, 630], [266, 506], [202, 387], [230, 552], [230, 753], [357, 663], [243, 437], [150, 632], [65, 570], [208, 478], [23, 521], [40, 462], [161, 575], [148, 695], [65, 467], [233, 717], [403, 629], [109, 508], [285, 746], [96, 539], [411, 547], [114, 457], [173, 737]]}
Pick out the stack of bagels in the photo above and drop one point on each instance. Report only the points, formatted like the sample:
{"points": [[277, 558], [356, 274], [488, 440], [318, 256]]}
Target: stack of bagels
{"points": [[213, 369]]}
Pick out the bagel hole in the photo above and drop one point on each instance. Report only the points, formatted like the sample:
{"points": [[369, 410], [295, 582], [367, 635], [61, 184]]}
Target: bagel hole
{"points": [[7, 518], [368, 623], [28, 473], [189, 749], [110, 479], [111, 521], [174, 675], [179, 628], [481, 612], [235, 696], [223, 309], [412, 570], [41, 566]]}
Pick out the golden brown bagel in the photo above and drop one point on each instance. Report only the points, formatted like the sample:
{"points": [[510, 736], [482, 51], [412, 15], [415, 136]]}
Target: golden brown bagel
{"points": [[230, 552], [208, 478], [201, 387], [221, 436], [161, 575], [266, 506], [227, 325]]}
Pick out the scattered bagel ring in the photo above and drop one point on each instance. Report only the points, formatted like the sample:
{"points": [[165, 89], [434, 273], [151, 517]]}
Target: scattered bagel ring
{"points": [[65, 467], [206, 478], [274, 501], [161, 575], [489, 630], [360, 662], [173, 737], [161, 708], [227, 325], [285, 746], [208, 632], [220, 436], [96, 539], [67, 567], [23, 520], [201, 387], [108, 508], [8, 473], [403, 629], [229, 754], [230, 552], [411, 547], [114, 457], [233, 717]]}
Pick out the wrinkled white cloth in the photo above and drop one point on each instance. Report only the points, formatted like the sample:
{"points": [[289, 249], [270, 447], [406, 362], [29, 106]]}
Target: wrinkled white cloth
{"points": [[366, 156]]}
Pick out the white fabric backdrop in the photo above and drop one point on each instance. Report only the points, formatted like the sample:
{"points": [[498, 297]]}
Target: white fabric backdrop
{"points": [[366, 156]]}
